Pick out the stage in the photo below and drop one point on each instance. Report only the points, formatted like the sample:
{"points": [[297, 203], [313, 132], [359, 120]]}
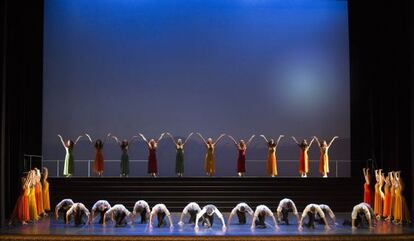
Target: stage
{"points": [[50, 229]]}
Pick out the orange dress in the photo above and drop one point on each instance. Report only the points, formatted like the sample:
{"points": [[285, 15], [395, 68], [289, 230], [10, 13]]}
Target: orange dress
{"points": [[21, 209], [271, 166], [387, 201], [392, 200], [39, 198], [46, 198], [367, 194], [324, 160], [304, 160], [377, 200], [401, 211], [98, 164]]}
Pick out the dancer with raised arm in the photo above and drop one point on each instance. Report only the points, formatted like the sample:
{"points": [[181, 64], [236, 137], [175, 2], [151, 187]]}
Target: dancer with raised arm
{"points": [[119, 215], [193, 209], [34, 215], [241, 159], [285, 206], [386, 208], [161, 211], [324, 160], [100, 207], [78, 210], [63, 206], [21, 209], [259, 217], [367, 186], [311, 210], [401, 210], [179, 157], [152, 154], [38, 193], [98, 164], [124, 166], [141, 208], [45, 190], [210, 159], [271, 166], [379, 195], [303, 158], [241, 209], [69, 167], [207, 216]]}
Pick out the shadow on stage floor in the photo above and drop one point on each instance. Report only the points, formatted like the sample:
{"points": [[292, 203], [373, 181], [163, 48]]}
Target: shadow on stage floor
{"points": [[50, 229]]}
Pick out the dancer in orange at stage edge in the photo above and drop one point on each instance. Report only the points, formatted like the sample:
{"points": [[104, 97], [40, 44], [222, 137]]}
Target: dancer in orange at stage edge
{"points": [[241, 159], [324, 160], [393, 185], [39, 194], [21, 208], [387, 196], [271, 166], [210, 159], [379, 195], [98, 164], [45, 190], [303, 159], [367, 187], [152, 154], [401, 211], [34, 216]]}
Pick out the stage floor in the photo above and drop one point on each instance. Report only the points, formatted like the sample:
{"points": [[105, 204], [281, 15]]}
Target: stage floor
{"points": [[51, 227]]}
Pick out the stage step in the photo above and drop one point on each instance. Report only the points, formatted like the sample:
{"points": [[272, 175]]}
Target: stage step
{"points": [[224, 192]]}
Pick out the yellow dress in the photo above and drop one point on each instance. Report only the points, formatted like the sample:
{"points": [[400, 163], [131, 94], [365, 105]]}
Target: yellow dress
{"points": [[209, 161], [46, 199], [401, 211], [271, 166], [377, 200], [324, 161], [32, 205]]}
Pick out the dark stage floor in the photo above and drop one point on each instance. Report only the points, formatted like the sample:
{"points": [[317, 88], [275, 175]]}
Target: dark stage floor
{"points": [[49, 226]]}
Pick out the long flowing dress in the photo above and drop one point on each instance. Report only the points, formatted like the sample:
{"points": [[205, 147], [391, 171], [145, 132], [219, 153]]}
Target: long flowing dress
{"points": [[39, 198], [34, 216], [303, 159], [241, 160], [124, 162], [392, 200], [98, 164], [367, 194], [179, 159], [209, 160], [387, 201], [21, 209], [377, 200], [69, 165], [152, 160], [401, 211], [46, 198], [271, 166], [324, 160]]}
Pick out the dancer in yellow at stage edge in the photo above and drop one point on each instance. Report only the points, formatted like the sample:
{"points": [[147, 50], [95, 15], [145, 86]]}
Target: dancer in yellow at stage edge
{"points": [[210, 160], [324, 160], [271, 166]]}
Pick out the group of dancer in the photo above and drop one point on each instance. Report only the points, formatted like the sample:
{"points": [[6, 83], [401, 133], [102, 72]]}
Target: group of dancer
{"points": [[33, 202], [204, 216], [386, 196], [209, 161]]}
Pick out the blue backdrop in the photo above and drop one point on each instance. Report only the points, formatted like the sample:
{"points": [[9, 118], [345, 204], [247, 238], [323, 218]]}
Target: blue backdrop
{"points": [[236, 66]]}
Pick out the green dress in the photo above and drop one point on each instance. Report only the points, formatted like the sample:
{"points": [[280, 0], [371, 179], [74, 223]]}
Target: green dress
{"points": [[179, 160], [124, 162], [68, 166]]}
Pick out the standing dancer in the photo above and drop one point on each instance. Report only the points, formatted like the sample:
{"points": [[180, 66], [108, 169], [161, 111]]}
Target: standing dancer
{"points": [[179, 157], [367, 187], [34, 216], [271, 166], [124, 167], [45, 190], [304, 159], [152, 154], [393, 185], [210, 160], [401, 211], [39, 194], [387, 197], [69, 163], [21, 208], [98, 164], [241, 159], [379, 195], [324, 160]]}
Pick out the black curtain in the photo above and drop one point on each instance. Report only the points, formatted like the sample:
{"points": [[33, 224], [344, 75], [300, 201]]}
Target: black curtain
{"points": [[21, 99], [381, 86]]}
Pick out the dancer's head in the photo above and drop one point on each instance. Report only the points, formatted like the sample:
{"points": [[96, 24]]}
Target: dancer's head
{"points": [[242, 209], [124, 144], [152, 142], [98, 144], [304, 142], [312, 209], [271, 142], [179, 142], [242, 143], [209, 141], [69, 143], [210, 211], [324, 144]]}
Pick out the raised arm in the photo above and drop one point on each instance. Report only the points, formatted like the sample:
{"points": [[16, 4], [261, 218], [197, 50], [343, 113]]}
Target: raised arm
{"points": [[333, 139], [106, 137], [313, 139], [61, 140], [161, 136], [116, 139], [296, 141], [278, 139], [89, 137], [250, 140], [317, 141], [231, 138], [77, 139], [172, 138], [132, 139], [202, 138], [264, 137], [143, 137], [188, 137], [218, 139]]}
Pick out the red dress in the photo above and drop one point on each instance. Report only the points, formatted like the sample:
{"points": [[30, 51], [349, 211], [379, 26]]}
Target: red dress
{"points": [[152, 161], [99, 161], [21, 209], [39, 198], [367, 194], [241, 161], [304, 161]]}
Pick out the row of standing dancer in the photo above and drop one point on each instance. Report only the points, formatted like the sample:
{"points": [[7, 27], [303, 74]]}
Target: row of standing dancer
{"points": [[209, 161], [386, 196], [33, 201]]}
